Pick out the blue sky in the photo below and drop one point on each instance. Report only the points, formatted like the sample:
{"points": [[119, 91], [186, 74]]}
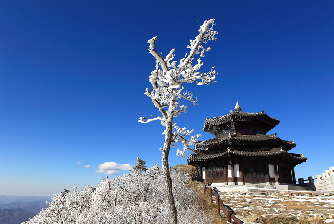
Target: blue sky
{"points": [[73, 76]]}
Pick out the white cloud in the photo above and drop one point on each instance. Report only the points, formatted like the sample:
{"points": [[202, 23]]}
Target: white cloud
{"points": [[79, 162], [112, 168], [87, 166], [107, 171]]}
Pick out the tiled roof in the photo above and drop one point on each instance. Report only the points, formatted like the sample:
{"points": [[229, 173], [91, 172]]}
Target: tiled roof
{"points": [[207, 156], [260, 117], [245, 140]]}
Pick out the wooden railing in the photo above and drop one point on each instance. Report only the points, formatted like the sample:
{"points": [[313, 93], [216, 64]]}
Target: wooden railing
{"points": [[229, 213]]}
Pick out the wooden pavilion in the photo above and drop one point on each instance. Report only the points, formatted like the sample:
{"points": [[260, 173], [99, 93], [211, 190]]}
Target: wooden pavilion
{"points": [[242, 152]]}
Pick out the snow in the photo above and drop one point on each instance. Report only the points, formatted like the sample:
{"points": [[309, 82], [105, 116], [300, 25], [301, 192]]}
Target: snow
{"points": [[133, 198]]}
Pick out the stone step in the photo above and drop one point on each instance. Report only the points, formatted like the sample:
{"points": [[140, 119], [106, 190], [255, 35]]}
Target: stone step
{"points": [[255, 187]]}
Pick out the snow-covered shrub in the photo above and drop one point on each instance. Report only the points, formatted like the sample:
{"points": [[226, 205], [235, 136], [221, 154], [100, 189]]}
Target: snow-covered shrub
{"points": [[140, 165], [133, 198]]}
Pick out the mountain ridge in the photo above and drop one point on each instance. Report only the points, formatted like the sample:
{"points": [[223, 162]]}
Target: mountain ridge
{"points": [[14, 216], [20, 209]]}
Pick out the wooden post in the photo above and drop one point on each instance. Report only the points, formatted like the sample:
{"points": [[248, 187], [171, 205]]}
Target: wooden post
{"points": [[217, 202], [228, 215], [235, 220], [211, 194]]}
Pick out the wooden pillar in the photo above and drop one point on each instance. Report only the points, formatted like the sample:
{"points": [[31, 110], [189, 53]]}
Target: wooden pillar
{"points": [[280, 174], [241, 175], [293, 176], [267, 175], [225, 174], [232, 178], [276, 174], [206, 176], [199, 170]]}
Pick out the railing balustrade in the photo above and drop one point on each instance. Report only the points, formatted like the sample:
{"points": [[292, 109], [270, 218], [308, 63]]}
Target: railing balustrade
{"points": [[229, 213]]}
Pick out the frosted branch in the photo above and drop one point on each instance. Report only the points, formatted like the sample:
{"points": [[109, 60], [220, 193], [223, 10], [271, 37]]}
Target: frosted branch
{"points": [[205, 33], [156, 54], [167, 82], [148, 119], [180, 135], [188, 96]]}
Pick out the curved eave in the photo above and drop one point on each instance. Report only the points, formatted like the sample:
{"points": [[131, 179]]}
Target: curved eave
{"points": [[244, 140], [296, 158]]}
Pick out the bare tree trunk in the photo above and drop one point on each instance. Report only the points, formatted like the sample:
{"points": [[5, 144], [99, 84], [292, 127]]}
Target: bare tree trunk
{"points": [[165, 166]]}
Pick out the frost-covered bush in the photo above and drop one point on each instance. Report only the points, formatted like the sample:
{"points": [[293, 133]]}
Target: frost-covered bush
{"points": [[133, 198]]}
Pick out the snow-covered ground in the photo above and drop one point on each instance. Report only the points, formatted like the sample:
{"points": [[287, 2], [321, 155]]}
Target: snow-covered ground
{"points": [[133, 198]]}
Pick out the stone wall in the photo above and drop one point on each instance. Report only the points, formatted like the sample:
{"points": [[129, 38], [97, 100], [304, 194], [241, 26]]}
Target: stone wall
{"points": [[325, 181]]}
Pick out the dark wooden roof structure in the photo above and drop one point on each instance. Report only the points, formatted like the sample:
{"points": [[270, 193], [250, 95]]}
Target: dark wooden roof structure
{"points": [[261, 118], [297, 158], [228, 121], [241, 141]]}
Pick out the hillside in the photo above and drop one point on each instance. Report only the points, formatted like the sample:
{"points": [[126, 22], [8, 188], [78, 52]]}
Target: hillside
{"points": [[22, 210], [133, 198], [14, 216]]}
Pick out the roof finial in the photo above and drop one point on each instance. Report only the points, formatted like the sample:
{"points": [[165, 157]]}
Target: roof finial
{"points": [[237, 107]]}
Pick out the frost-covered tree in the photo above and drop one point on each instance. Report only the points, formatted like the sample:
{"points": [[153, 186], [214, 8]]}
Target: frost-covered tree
{"points": [[132, 198], [167, 81], [140, 165]]}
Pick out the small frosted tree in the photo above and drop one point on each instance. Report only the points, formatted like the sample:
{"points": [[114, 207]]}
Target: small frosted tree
{"points": [[167, 90], [140, 165]]}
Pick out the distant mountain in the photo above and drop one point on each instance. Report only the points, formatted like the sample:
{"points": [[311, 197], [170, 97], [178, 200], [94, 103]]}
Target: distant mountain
{"points": [[7, 199], [15, 216], [33, 206], [19, 209]]}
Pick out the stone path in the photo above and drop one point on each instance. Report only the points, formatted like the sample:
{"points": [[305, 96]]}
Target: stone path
{"points": [[266, 203]]}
